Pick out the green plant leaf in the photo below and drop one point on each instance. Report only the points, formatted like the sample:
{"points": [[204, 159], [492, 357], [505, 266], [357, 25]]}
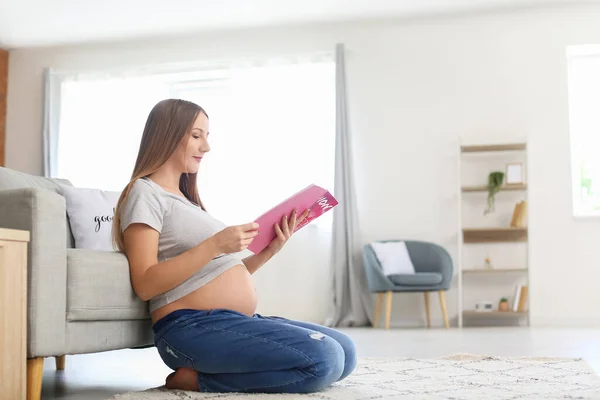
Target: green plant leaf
{"points": [[495, 181]]}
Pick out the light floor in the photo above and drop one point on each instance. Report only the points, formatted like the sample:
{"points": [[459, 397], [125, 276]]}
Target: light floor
{"points": [[100, 376]]}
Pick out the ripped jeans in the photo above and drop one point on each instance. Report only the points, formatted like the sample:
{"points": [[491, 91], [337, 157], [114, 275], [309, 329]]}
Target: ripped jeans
{"points": [[233, 352]]}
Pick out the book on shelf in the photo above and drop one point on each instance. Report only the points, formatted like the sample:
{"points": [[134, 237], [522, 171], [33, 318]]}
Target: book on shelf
{"points": [[519, 217], [521, 296], [313, 198]]}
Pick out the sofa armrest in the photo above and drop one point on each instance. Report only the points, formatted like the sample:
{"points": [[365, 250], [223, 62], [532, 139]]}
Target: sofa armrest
{"points": [[43, 213], [445, 267], [431, 257]]}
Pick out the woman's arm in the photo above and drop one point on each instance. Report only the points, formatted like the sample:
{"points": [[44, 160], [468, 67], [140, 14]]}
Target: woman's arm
{"points": [[253, 263], [150, 278]]}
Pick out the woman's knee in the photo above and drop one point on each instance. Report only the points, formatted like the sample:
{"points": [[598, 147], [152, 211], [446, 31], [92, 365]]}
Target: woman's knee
{"points": [[328, 358], [349, 354]]}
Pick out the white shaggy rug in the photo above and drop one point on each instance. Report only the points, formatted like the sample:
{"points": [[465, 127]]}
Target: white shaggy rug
{"points": [[456, 377]]}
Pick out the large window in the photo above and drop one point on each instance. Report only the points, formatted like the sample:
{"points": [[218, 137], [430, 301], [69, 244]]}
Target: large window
{"points": [[272, 129], [584, 110]]}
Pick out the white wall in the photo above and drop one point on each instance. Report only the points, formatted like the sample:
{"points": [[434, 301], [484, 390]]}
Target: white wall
{"points": [[415, 88]]}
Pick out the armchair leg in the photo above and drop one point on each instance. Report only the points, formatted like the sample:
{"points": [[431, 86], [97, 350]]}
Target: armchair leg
{"points": [[60, 362], [444, 310], [377, 310], [388, 309], [427, 312], [35, 371]]}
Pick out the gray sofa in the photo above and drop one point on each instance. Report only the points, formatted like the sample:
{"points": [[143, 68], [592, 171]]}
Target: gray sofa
{"points": [[79, 301]]}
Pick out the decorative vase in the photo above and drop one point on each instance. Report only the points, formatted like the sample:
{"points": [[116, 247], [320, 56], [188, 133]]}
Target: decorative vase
{"points": [[488, 263], [503, 306]]}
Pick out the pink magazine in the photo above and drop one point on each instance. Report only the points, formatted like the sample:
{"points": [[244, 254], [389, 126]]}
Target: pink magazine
{"points": [[313, 197]]}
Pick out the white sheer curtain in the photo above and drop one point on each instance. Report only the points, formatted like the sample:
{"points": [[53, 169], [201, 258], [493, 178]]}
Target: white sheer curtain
{"points": [[272, 128], [101, 124], [272, 134]]}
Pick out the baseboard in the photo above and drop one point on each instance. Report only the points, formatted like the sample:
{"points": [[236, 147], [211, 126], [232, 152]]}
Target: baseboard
{"points": [[418, 323], [553, 322], [535, 322]]}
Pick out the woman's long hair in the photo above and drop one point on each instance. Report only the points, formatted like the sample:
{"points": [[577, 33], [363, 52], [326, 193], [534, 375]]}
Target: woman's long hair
{"points": [[167, 125]]}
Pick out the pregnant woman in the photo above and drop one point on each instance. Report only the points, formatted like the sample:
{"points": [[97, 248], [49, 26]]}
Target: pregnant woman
{"points": [[201, 296]]}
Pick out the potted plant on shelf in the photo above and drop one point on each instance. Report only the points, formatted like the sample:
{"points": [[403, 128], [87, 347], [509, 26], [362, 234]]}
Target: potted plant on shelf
{"points": [[495, 180], [503, 306]]}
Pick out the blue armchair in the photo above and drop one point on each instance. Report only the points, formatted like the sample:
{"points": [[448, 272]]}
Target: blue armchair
{"points": [[434, 270]]}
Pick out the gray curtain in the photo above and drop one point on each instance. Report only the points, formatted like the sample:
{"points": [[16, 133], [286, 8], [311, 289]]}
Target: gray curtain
{"points": [[351, 302], [52, 84]]}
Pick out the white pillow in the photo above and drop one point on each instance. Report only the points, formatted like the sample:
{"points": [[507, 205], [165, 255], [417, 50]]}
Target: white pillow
{"points": [[394, 258], [91, 212]]}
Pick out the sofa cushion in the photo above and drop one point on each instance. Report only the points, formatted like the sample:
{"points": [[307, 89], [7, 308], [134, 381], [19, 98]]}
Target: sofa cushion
{"points": [[91, 212], [418, 279], [393, 257], [99, 287]]}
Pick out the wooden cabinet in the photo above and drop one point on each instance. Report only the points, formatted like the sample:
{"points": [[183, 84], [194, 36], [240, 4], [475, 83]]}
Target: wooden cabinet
{"points": [[13, 314], [3, 90]]}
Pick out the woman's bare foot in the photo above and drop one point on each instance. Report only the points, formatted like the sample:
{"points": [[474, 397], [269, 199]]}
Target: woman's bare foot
{"points": [[183, 379]]}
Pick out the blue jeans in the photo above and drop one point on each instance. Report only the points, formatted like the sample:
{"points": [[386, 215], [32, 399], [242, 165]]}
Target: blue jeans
{"points": [[233, 352]]}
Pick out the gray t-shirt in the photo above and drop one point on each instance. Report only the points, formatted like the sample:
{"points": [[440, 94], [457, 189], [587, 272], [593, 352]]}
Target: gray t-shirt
{"points": [[182, 225]]}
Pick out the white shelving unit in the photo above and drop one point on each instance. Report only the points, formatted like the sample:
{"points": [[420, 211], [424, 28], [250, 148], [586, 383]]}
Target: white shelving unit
{"points": [[480, 235]]}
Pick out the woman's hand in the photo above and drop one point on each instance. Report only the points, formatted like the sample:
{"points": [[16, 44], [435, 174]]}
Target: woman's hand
{"points": [[235, 238], [288, 225]]}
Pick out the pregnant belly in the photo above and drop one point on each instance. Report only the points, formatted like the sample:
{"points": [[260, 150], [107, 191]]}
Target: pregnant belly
{"points": [[233, 289]]}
